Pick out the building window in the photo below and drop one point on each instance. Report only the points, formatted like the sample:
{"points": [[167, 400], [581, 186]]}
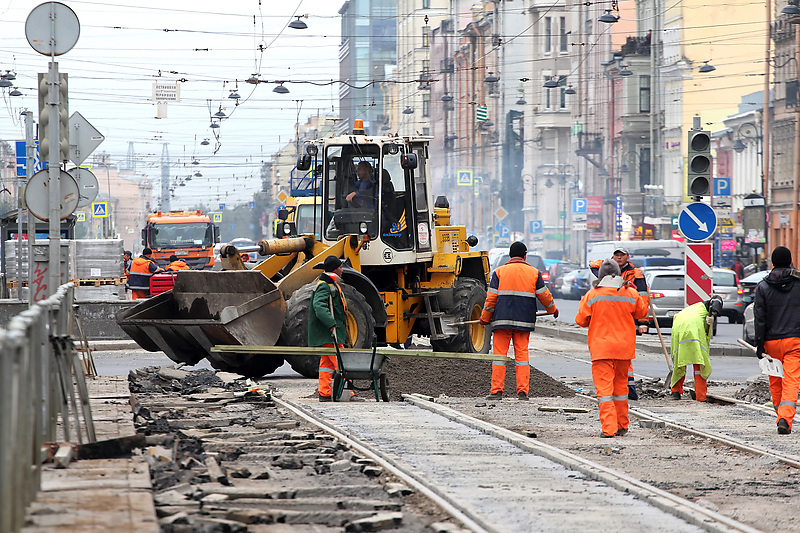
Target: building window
{"points": [[426, 4], [644, 94], [426, 104], [426, 31], [563, 97], [562, 46], [644, 168], [548, 34]]}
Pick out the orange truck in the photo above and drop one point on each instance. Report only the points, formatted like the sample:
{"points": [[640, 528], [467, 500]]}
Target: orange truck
{"points": [[190, 235]]}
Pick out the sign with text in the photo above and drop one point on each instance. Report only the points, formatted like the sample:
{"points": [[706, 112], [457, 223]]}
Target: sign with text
{"points": [[166, 91], [594, 204]]}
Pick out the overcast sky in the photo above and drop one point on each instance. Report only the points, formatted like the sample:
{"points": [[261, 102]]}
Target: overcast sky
{"points": [[124, 47]]}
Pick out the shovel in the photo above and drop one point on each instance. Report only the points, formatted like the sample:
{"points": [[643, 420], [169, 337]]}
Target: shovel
{"points": [[668, 379], [768, 365], [473, 322]]}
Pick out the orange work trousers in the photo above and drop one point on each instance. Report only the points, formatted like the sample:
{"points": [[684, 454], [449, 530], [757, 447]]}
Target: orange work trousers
{"points": [[700, 385], [610, 378], [327, 366], [135, 295], [501, 339], [784, 390]]}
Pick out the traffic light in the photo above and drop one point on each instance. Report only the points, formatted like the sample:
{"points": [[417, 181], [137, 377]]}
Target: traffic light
{"points": [[699, 172], [44, 118]]}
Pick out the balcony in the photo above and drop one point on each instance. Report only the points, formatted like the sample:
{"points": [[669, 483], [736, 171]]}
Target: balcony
{"points": [[589, 144]]}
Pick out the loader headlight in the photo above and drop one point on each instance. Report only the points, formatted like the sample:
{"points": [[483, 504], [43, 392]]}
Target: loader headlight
{"points": [[362, 227], [287, 229]]}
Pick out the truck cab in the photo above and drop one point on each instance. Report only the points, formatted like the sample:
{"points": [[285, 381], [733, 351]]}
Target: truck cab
{"points": [[189, 235]]}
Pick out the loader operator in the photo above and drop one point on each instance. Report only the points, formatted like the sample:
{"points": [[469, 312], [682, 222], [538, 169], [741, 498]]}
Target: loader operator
{"points": [[777, 323], [609, 310], [691, 335], [326, 320], [511, 310], [142, 268], [635, 278], [363, 196]]}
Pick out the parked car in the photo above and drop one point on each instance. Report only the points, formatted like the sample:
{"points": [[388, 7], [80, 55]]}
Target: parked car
{"points": [[557, 273], [749, 285], [667, 294], [656, 262], [534, 260], [576, 283], [726, 285], [749, 325]]}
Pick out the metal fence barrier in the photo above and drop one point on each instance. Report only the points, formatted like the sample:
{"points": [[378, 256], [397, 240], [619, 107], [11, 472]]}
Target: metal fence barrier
{"points": [[40, 371]]}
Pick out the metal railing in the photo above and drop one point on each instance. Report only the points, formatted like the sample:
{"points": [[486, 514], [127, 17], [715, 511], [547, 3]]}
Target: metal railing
{"points": [[39, 372]]}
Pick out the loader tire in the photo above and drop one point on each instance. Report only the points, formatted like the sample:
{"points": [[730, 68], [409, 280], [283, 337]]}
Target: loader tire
{"points": [[251, 366], [360, 326], [469, 296]]}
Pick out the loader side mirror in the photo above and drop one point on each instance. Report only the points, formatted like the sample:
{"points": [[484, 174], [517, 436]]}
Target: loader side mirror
{"points": [[472, 240], [283, 214], [304, 162], [409, 161]]}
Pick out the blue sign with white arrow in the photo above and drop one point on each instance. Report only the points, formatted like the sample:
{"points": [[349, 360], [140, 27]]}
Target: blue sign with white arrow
{"points": [[697, 221]]}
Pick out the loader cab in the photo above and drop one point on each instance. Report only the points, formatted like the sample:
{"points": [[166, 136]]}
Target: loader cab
{"points": [[373, 189]]}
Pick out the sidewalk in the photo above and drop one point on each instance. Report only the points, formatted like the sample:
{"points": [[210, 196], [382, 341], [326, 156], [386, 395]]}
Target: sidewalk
{"points": [[100, 494]]}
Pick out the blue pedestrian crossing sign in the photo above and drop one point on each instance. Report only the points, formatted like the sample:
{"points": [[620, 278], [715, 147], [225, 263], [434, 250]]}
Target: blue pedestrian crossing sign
{"points": [[252, 204], [81, 217], [99, 209], [217, 218], [536, 226], [222, 207], [465, 178]]}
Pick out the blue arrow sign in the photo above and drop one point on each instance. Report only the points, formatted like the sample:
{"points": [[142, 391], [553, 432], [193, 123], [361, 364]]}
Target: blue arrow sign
{"points": [[697, 221], [536, 226], [579, 205]]}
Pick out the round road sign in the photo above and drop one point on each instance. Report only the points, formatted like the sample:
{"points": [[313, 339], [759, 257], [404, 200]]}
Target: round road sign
{"points": [[57, 39], [37, 195]]}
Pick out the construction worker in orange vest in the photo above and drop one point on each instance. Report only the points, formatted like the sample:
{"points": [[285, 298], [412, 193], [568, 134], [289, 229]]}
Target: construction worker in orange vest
{"points": [[511, 310], [776, 311], [635, 278], [142, 268], [610, 310], [176, 264]]}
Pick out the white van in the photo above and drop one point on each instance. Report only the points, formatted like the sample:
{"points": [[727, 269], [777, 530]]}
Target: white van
{"points": [[637, 249]]}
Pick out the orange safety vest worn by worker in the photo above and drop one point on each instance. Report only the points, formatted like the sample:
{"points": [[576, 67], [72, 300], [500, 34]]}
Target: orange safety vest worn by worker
{"points": [[139, 280], [609, 311], [630, 274], [511, 309], [178, 265]]}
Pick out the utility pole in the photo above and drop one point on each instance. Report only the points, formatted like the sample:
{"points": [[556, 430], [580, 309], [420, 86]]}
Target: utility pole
{"points": [[165, 178]]}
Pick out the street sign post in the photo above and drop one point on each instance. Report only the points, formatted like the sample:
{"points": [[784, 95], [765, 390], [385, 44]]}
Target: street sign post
{"points": [[465, 178], [699, 277], [697, 221]]}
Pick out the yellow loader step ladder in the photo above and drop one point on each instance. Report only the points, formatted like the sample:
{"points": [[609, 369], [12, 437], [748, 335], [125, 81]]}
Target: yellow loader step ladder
{"points": [[432, 313]]}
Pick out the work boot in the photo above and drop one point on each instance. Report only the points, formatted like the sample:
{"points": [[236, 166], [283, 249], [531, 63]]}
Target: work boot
{"points": [[603, 435], [632, 394], [621, 432], [522, 396], [325, 398], [675, 395], [783, 427], [495, 396]]}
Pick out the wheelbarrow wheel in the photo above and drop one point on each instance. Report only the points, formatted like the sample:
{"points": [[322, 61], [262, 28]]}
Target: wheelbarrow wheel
{"points": [[383, 386], [336, 385]]}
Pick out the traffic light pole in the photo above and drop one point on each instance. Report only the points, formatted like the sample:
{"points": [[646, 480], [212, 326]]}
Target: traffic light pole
{"points": [[54, 181]]}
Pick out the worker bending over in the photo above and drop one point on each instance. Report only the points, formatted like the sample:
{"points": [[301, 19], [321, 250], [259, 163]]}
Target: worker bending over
{"points": [[177, 264], [691, 336], [610, 310], [511, 310]]}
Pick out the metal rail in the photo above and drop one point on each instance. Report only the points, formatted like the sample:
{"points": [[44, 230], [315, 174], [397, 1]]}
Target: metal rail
{"points": [[37, 364]]}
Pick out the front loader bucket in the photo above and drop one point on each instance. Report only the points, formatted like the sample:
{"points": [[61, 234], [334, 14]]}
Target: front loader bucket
{"points": [[206, 308]]}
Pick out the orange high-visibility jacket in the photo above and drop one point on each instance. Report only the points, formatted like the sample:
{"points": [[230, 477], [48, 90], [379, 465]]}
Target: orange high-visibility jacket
{"points": [[512, 294], [631, 274], [178, 265], [141, 270], [610, 311]]}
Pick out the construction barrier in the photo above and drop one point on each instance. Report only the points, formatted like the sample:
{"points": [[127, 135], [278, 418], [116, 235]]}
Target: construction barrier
{"points": [[40, 373]]}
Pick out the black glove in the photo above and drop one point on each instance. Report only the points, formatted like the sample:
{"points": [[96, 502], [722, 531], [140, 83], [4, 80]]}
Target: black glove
{"points": [[760, 350]]}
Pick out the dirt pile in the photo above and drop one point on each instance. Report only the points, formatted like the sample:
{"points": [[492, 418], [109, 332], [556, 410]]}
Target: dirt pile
{"points": [[755, 392]]}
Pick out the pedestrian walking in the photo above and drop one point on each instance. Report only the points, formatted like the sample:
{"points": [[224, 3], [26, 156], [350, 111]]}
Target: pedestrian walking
{"points": [[326, 321], [176, 264], [142, 268], [610, 311], [510, 308], [689, 342], [635, 278], [777, 332]]}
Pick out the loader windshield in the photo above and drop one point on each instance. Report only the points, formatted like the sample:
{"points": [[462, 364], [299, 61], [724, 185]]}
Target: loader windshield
{"points": [[351, 177]]}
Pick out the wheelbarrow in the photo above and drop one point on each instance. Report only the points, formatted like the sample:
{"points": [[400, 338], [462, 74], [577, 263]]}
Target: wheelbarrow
{"points": [[361, 365]]}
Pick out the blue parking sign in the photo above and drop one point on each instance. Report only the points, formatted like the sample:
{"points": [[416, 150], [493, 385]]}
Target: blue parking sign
{"points": [[536, 226], [579, 205], [722, 186], [502, 230]]}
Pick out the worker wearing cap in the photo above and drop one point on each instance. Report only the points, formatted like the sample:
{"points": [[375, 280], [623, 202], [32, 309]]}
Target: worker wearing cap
{"points": [[777, 330], [326, 320], [635, 278], [610, 310], [511, 310], [691, 336], [142, 269], [176, 264], [126, 262]]}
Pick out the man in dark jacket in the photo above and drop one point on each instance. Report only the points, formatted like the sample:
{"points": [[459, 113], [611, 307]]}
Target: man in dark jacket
{"points": [[326, 321], [777, 331], [142, 269], [511, 310]]}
